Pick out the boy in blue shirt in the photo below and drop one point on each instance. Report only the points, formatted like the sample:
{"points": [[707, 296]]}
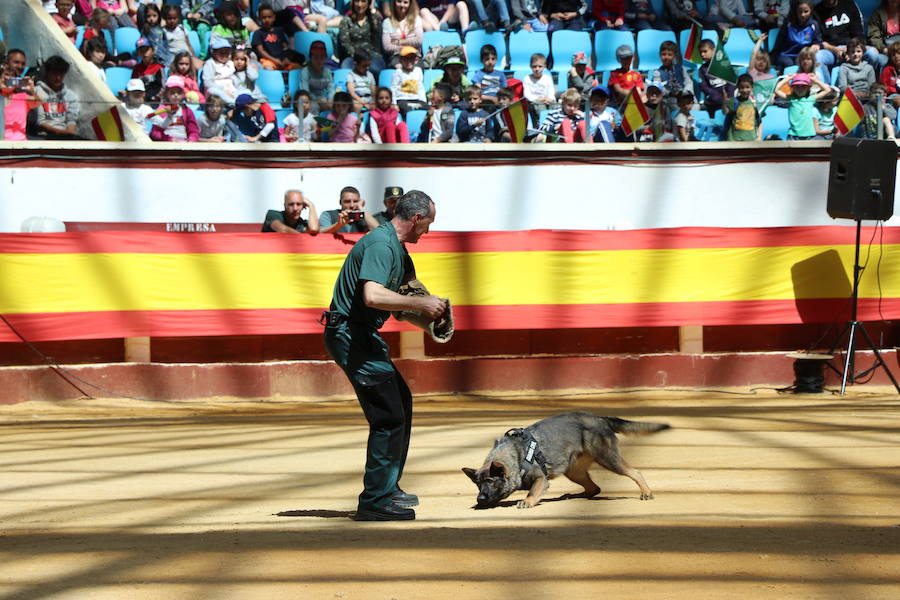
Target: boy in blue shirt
{"points": [[473, 124], [487, 77]]}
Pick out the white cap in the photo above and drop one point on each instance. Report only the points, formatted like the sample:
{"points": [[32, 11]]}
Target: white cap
{"points": [[135, 85]]}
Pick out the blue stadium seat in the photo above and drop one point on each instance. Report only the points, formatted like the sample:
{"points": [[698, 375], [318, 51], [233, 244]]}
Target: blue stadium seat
{"points": [[79, 38], [562, 79], [648, 41], [304, 39], [430, 76], [835, 71], [522, 44], [775, 121], [706, 128], [605, 43], [867, 7], [565, 43], [739, 46], [477, 38], [194, 39], [414, 119], [773, 35], [791, 70], [384, 78], [440, 38], [340, 79], [293, 82], [117, 78], [281, 114], [125, 39], [271, 83]]}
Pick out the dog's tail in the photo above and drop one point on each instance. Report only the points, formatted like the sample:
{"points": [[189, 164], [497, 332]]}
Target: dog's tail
{"points": [[634, 427]]}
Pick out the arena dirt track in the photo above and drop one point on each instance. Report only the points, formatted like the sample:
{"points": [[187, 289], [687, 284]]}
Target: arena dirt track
{"points": [[757, 496]]}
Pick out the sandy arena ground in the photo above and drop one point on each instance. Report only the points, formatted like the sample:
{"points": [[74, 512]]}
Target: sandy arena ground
{"points": [[757, 496]]}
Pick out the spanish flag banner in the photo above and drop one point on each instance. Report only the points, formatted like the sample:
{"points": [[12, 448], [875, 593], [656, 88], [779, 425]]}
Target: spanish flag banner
{"points": [[108, 126], [515, 116], [692, 47], [849, 113], [635, 114], [113, 284]]}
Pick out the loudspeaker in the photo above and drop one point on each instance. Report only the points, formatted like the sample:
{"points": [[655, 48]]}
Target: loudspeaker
{"points": [[861, 179]]}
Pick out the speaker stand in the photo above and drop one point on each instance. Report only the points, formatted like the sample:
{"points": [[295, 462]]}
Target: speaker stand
{"points": [[855, 326]]}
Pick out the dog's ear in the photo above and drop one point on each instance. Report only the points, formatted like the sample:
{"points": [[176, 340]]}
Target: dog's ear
{"points": [[498, 469], [472, 473]]}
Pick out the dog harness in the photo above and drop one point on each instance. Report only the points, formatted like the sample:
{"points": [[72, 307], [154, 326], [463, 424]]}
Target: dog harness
{"points": [[533, 452]]}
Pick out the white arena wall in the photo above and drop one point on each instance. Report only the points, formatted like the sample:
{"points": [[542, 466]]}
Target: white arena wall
{"points": [[499, 187]]}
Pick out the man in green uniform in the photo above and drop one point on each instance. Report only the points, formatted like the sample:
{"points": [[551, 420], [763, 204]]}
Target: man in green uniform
{"points": [[364, 296]]}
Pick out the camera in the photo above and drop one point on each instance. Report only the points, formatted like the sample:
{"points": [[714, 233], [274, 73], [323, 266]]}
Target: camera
{"points": [[14, 82], [356, 215]]}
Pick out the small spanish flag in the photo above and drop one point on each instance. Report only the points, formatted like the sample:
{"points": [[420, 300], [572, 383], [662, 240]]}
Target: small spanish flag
{"points": [[849, 113], [516, 118], [108, 126], [635, 114], [692, 47]]}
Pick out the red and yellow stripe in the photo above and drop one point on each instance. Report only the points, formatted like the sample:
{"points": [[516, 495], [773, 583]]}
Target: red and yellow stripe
{"points": [[114, 284]]}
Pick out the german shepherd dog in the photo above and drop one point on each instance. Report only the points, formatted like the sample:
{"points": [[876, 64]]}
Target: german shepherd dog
{"points": [[567, 444]]}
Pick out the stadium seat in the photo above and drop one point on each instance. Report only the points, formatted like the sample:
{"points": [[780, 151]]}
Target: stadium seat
{"points": [[117, 78], [706, 128], [791, 70], [563, 44], [648, 41], [775, 121], [835, 71], [773, 35], [340, 79], [304, 39], [867, 7], [79, 38], [194, 39], [430, 76], [384, 78], [739, 46], [281, 114], [414, 119], [125, 39], [440, 38], [477, 38], [561, 78], [271, 83], [605, 43], [522, 44]]}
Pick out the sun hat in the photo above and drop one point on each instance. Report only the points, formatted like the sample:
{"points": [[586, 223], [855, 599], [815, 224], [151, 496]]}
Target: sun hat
{"points": [[800, 79], [175, 81], [135, 85]]}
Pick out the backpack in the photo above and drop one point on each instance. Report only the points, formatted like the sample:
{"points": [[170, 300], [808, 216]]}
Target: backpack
{"points": [[438, 55]]}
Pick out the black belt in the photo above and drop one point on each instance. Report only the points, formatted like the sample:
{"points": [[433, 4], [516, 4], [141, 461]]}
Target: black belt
{"points": [[332, 318]]}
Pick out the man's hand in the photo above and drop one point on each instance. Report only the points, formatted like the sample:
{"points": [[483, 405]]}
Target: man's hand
{"points": [[431, 306]]}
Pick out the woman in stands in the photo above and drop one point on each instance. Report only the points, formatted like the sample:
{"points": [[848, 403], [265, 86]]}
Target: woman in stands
{"points": [[361, 30], [884, 28], [403, 28], [439, 14]]}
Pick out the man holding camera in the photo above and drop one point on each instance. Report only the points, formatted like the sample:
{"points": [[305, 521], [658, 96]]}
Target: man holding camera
{"points": [[17, 96], [350, 217]]}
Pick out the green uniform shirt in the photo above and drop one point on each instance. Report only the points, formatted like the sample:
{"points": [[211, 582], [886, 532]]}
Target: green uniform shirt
{"points": [[278, 215]]}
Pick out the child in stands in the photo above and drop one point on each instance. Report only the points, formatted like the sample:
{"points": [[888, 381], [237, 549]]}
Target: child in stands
{"points": [[440, 126], [640, 14], [230, 27], [608, 14], [624, 78], [134, 102], [300, 125], [538, 87], [385, 124], [175, 36], [95, 52], [684, 120], [118, 13], [601, 120], [214, 126], [890, 74], [488, 78], [173, 121], [671, 77], [581, 76], [183, 66], [455, 76], [564, 121], [271, 44], [659, 128], [98, 22], [316, 78], [198, 16], [801, 105], [256, 120], [62, 18], [148, 70], [856, 74], [360, 82], [760, 67], [823, 117], [346, 128], [742, 121], [218, 71], [714, 88], [149, 23], [874, 95], [245, 73], [407, 83], [473, 124], [505, 97]]}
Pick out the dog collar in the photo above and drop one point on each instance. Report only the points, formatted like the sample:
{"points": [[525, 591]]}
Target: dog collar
{"points": [[533, 454]]}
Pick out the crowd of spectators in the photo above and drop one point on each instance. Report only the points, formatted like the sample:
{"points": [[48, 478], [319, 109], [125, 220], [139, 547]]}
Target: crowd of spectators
{"points": [[198, 69]]}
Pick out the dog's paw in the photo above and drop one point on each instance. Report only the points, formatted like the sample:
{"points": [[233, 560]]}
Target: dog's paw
{"points": [[523, 504], [647, 496]]}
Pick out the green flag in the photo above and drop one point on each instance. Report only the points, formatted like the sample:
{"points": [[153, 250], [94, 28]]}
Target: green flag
{"points": [[720, 66]]}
